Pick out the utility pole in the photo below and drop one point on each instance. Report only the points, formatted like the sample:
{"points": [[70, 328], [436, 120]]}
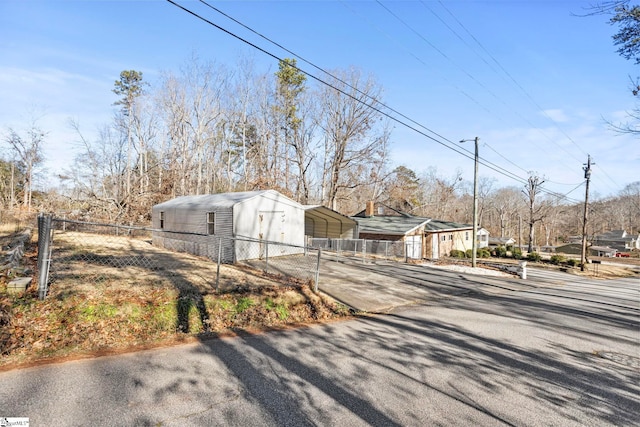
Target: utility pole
{"points": [[587, 176], [474, 243]]}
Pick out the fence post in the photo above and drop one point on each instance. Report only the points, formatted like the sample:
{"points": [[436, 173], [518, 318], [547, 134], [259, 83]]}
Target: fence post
{"points": [[364, 251], [44, 256], [317, 270], [386, 250], [406, 252], [219, 260]]}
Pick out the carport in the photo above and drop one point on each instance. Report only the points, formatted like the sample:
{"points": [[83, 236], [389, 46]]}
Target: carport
{"points": [[322, 222]]}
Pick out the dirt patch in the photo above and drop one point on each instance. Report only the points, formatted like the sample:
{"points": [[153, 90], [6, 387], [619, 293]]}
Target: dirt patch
{"points": [[98, 304]]}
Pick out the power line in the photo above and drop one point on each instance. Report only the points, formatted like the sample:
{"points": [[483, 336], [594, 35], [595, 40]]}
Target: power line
{"points": [[463, 152], [454, 148], [469, 75], [516, 83]]}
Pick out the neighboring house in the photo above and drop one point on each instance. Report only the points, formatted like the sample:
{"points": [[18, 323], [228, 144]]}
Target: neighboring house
{"points": [[602, 251], [194, 223], [322, 222], [384, 223], [501, 241], [576, 249], [441, 237], [618, 239], [483, 238]]}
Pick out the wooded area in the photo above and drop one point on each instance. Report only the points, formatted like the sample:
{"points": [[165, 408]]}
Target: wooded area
{"points": [[209, 128]]}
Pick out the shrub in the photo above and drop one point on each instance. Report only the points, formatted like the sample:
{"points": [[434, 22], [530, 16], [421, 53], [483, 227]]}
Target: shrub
{"points": [[516, 253], [572, 262], [533, 256], [557, 259], [455, 253], [510, 248], [480, 253], [501, 252]]}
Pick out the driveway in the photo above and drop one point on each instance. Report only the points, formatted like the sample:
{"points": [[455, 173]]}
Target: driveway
{"points": [[380, 287]]}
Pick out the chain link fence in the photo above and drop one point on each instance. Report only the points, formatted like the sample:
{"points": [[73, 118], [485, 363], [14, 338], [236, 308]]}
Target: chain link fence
{"points": [[74, 255], [368, 250]]}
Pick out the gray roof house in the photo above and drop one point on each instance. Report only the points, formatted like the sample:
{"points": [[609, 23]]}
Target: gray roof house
{"points": [[386, 223], [240, 223], [618, 239]]}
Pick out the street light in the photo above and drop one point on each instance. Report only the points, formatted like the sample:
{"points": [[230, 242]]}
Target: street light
{"points": [[474, 246]]}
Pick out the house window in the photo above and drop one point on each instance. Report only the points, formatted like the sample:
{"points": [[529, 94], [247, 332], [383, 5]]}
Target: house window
{"points": [[450, 236], [161, 220], [466, 235], [444, 238], [211, 222]]}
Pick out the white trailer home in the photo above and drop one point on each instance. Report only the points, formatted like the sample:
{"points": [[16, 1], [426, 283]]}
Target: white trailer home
{"points": [[244, 222]]}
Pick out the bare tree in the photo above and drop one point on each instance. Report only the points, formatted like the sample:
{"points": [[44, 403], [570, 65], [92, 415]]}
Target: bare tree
{"points": [[28, 150], [505, 203], [537, 209], [441, 198], [349, 127]]}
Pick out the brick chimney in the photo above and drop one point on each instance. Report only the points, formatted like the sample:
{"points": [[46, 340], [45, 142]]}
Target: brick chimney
{"points": [[369, 211]]}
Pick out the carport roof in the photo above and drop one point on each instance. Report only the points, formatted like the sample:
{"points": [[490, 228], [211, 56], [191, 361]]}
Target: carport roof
{"points": [[390, 225], [325, 212]]}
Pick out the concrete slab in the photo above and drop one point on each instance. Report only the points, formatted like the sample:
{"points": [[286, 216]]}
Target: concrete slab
{"points": [[381, 287]]}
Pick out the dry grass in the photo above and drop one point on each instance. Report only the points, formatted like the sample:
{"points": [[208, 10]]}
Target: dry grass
{"points": [[97, 308]]}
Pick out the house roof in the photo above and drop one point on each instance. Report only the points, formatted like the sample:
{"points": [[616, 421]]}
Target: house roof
{"points": [[501, 240], [613, 234], [602, 249], [220, 199], [436, 225], [387, 211], [617, 236], [390, 225]]}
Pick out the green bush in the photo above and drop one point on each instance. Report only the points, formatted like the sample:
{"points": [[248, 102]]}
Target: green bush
{"points": [[501, 252], [480, 253], [510, 248], [455, 253], [572, 262], [557, 259], [516, 253], [533, 256]]}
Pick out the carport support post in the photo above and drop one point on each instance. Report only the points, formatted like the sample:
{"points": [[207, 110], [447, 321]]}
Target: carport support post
{"points": [[266, 256], [386, 250], [219, 260], [315, 285]]}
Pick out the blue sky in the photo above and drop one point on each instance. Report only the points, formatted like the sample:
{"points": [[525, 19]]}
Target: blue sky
{"points": [[441, 64]]}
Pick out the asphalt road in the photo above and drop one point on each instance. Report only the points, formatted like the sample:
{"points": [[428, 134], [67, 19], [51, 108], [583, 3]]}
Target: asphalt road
{"points": [[558, 353]]}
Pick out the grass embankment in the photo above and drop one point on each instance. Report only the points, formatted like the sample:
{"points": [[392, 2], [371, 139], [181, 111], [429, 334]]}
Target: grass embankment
{"points": [[82, 319]]}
